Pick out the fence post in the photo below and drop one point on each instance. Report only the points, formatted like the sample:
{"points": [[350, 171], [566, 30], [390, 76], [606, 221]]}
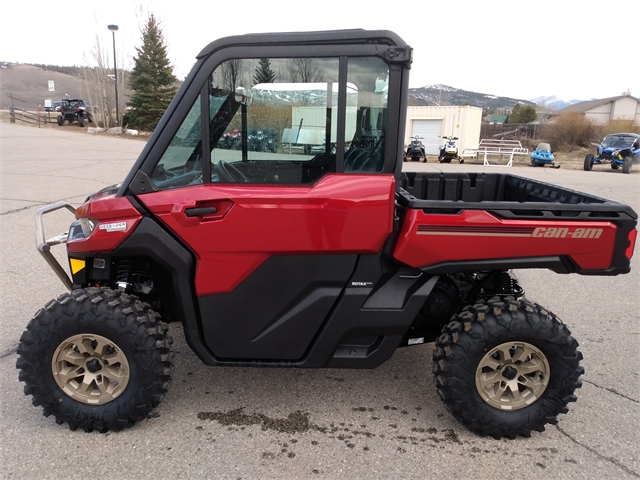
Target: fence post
{"points": [[12, 115], [38, 116]]}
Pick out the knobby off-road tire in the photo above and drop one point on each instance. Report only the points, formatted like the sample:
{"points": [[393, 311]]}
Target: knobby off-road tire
{"points": [[588, 162], [96, 359], [523, 347], [60, 120], [626, 166], [81, 120]]}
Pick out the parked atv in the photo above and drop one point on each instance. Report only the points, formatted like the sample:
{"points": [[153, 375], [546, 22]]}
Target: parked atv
{"points": [[618, 150], [74, 110], [415, 150], [332, 260], [542, 156], [449, 151]]}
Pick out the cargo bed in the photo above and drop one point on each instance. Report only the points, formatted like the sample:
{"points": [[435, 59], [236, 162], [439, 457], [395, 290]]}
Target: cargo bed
{"points": [[473, 221]]}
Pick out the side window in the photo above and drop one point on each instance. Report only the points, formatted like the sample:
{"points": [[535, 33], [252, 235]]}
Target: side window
{"points": [[275, 121], [366, 123], [280, 125], [181, 163]]}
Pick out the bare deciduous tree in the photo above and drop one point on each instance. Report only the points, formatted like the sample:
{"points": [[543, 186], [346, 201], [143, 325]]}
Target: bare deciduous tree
{"points": [[231, 71], [304, 70], [99, 88]]}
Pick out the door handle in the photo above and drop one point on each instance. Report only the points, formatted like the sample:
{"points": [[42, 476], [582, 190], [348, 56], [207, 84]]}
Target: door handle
{"points": [[200, 211]]}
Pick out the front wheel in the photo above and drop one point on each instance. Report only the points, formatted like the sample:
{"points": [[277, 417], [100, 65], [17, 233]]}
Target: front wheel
{"points": [[506, 367], [588, 162], [81, 120], [626, 166], [96, 359]]}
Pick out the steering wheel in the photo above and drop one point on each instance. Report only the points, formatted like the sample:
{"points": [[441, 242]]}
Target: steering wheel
{"points": [[231, 174]]}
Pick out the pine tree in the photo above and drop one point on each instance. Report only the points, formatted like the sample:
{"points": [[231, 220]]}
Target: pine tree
{"points": [[263, 72], [152, 79]]}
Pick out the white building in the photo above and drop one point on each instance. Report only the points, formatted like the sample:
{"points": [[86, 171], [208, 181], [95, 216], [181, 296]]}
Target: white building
{"points": [[433, 123], [622, 107]]}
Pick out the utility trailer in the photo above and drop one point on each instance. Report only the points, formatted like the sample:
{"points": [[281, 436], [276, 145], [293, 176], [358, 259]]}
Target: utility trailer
{"points": [[330, 259]]}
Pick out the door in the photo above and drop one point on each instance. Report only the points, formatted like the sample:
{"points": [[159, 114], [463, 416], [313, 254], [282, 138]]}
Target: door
{"points": [[430, 131], [276, 234]]}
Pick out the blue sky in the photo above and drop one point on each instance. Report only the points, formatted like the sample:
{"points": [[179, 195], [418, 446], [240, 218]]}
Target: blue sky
{"points": [[518, 48]]}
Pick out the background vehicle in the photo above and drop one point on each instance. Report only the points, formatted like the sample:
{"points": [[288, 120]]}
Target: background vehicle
{"points": [[415, 150], [618, 150], [449, 151], [74, 109], [333, 259], [542, 155], [55, 107]]}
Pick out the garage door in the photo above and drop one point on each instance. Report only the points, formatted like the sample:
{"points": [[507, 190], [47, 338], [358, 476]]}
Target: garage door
{"points": [[430, 131]]}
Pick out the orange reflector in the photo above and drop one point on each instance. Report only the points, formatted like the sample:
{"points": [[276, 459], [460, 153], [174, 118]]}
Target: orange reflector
{"points": [[76, 265]]}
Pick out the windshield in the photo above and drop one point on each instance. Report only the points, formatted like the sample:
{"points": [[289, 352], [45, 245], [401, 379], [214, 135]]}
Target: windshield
{"points": [[618, 141], [543, 147]]}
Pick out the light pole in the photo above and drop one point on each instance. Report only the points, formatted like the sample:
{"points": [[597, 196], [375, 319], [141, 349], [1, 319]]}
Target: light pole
{"points": [[113, 29]]}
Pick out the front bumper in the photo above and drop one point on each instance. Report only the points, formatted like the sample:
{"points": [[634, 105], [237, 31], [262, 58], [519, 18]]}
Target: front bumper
{"points": [[44, 246]]}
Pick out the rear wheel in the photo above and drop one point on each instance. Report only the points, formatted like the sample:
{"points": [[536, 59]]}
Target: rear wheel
{"points": [[96, 359], [60, 120], [626, 167], [505, 367], [81, 120], [614, 166], [588, 162]]}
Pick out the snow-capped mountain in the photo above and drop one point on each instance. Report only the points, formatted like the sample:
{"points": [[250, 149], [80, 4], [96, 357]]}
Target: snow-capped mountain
{"points": [[446, 95], [553, 102]]}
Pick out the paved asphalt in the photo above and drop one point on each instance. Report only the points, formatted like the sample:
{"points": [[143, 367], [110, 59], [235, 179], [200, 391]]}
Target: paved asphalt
{"points": [[272, 423]]}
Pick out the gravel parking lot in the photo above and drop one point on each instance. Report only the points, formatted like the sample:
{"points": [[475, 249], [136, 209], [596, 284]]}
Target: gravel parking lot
{"points": [[273, 423]]}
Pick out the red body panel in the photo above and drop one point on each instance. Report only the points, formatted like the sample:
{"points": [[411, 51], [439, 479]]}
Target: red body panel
{"points": [[107, 210], [429, 239], [339, 214]]}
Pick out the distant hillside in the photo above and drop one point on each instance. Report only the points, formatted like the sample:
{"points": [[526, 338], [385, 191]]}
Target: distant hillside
{"points": [[29, 85], [446, 95]]}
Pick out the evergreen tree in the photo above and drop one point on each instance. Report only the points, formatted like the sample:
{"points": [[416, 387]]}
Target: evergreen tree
{"points": [[152, 79], [263, 72], [522, 114]]}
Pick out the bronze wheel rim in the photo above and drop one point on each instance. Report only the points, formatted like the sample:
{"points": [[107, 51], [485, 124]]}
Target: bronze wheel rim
{"points": [[512, 375], [90, 369]]}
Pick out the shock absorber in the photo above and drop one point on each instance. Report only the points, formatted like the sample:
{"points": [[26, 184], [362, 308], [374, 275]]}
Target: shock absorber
{"points": [[505, 284], [124, 271]]}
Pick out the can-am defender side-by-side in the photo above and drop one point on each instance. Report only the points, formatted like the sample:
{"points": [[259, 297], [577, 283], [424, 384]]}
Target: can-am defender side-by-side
{"points": [[298, 258]]}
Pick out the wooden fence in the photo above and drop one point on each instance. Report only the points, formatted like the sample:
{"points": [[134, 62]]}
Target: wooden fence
{"points": [[37, 117]]}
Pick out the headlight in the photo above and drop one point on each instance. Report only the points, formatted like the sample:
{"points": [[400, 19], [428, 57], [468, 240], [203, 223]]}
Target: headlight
{"points": [[82, 228]]}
